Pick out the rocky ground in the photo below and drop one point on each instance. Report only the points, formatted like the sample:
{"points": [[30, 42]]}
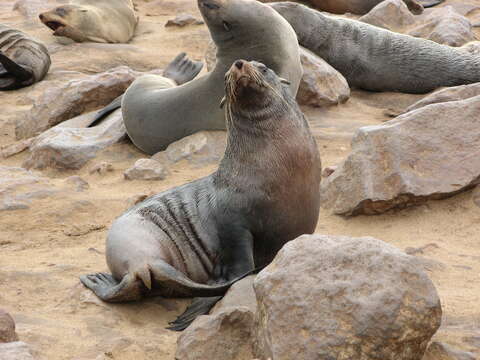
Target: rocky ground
{"points": [[57, 231]]}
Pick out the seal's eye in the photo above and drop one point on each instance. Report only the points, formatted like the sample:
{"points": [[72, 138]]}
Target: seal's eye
{"points": [[226, 26], [210, 6], [263, 68], [61, 11]]}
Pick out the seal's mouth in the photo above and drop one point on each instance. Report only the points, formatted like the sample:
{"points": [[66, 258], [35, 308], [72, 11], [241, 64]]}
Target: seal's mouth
{"points": [[54, 25], [242, 79]]}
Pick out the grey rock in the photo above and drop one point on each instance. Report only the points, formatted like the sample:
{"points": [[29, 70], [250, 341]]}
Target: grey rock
{"points": [[17, 350], [7, 328], [421, 155], [201, 148], [321, 85], [146, 169], [453, 93], [336, 297], [68, 147], [445, 26], [441, 351], [182, 20], [18, 187], [225, 334], [101, 168], [390, 14], [60, 103]]}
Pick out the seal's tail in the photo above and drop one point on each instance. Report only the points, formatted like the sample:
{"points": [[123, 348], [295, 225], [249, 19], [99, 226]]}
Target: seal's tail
{"points": [[107, 110]]}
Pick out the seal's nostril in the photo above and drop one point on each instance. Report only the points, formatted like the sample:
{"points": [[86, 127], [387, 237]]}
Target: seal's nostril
{"points": [[239, 64], [40, 16]]}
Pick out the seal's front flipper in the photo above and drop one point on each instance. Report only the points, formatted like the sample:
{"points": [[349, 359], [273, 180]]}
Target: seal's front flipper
{"points": [[430, 3], [8, 83], [182, 69], [17, 71], [107, 110], [110, 290], [199, 306]]}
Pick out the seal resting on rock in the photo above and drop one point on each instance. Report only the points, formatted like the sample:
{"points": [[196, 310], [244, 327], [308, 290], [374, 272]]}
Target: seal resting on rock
{"points": [[23, 60], [195, 240], [376, 59], [241, 29], [104, 21]]}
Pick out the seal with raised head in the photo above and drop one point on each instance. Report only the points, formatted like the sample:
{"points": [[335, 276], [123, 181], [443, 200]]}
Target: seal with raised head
{"points": [[195, 240], [23, 60], [104, 21], [241, 29], [376, 59]]}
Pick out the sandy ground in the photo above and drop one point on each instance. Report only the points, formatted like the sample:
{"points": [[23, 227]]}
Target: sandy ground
{"points": [[45, 248]]}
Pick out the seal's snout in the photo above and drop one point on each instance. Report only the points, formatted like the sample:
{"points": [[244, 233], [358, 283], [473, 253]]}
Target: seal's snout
{"points": [[41, 17], [239, 64]]}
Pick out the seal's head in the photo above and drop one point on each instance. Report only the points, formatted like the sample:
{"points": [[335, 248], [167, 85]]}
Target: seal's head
{"points": [[68, 20], [252, 88]]}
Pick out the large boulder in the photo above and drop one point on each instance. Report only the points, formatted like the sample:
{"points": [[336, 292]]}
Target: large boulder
{"points": [[390, 14], [17, 350], [445, 26], [428, 153], [74, 98], [71, 144], [321, 84], [224, 334], [336, 297], [7, 328]]}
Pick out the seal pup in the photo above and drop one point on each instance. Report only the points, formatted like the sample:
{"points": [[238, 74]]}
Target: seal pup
{"points": [[377, 59], [359, 7], [23, 60], [103, 21], [155, 117], [199, 238]]}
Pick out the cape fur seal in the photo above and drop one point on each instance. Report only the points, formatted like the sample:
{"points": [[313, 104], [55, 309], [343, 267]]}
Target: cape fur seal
{"points": [[361, 7], [155, 117], [104, 21], [199, 238], [23, 60], [376, 59]]}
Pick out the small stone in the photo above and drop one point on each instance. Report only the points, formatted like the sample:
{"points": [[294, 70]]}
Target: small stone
{"points": [[17, 350], [441, 351], [329, 170], [78, 183], [146, 169], [15, 148], [101, 168], [183, 20], [136, 199], [7, 328]]}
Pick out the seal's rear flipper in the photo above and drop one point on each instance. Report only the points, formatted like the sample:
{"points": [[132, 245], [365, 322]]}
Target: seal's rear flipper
{"points": [[107, 110], [430, 3], [17, 71], [182, 69], [110, 290], [8, 83], [199, 306]]}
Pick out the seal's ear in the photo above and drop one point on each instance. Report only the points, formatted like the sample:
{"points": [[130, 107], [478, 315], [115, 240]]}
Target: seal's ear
{"points": [[285, 81], [222, 103]]}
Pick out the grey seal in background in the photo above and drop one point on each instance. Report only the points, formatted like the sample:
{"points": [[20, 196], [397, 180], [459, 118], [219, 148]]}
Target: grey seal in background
{"points": [[104, 21], [23, 60], [241, 29], [376, 59], [195, 240]]}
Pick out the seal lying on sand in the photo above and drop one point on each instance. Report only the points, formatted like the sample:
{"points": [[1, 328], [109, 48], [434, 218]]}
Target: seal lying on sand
{"points": [[376, 59], [155, 117], [199, 238], [104, 21], [361, 7], [23, 60]]}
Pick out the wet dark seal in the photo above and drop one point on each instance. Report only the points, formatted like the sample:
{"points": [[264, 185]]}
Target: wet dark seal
{"points": [[376, 59], [23, 60], [197, 239]]}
